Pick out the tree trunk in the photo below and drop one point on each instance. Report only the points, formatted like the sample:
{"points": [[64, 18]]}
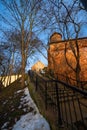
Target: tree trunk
{"points": [[23, 71], [23, 58], [78, 69]]}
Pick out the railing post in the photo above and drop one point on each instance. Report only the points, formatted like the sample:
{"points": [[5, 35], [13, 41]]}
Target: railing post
{"points": [[36, 83], [58, 105], [46, 95], [31, 75]]}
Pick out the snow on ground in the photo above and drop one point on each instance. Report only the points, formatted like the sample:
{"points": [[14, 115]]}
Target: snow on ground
{"points": [[32, 120]]}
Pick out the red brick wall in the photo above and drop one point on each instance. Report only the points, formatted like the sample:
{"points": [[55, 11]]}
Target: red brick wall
{"points": [[57, 61]]}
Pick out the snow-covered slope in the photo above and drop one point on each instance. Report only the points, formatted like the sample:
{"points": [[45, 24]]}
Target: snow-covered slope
{"points": [[32, 120]]}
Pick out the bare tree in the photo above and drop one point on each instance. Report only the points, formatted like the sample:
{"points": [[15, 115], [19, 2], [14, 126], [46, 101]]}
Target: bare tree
{"points": [[23, 17], [66, 19]]}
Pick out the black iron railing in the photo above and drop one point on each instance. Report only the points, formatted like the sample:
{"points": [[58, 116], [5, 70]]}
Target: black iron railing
{"points": [[68, 103]]}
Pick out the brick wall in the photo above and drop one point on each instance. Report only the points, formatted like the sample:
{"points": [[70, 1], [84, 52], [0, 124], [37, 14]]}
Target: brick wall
{"points": [[56, 56]]}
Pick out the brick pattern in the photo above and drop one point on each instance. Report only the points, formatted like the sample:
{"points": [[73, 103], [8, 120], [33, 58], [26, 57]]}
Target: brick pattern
{"points": [[56, 56]]}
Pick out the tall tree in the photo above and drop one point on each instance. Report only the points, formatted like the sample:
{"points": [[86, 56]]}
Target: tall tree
{"points": [[22, 17]]}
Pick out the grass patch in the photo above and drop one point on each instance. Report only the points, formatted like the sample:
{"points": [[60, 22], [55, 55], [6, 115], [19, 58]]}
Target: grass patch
{"points": [[10, 111], [41, 106]]}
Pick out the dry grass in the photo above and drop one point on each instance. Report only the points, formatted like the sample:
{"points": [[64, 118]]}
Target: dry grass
{"points": [[48, 114], [9, 105]]}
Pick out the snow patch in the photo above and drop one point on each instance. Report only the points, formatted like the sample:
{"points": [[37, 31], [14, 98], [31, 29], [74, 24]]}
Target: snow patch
{"points": [[5, 125], [19, 91], [33, 120]]}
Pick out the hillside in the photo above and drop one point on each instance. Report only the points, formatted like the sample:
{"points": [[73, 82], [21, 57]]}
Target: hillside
{"points": [[18, 111]]}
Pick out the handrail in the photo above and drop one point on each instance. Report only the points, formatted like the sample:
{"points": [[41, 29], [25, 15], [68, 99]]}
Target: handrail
{"points": [[70, 102], [83, 92]]}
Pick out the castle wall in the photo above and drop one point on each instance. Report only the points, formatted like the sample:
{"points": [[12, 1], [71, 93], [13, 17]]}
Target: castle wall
{"points": [[57, 61]]}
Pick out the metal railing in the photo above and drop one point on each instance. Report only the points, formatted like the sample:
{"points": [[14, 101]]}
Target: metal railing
{"points": [[72, 81], [68, 103]]}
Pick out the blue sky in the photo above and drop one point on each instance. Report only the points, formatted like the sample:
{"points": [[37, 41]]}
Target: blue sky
{"points": [[44, 35]]}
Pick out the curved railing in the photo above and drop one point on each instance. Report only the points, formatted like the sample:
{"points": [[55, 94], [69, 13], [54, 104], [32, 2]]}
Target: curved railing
{"points": [[68, 103]]}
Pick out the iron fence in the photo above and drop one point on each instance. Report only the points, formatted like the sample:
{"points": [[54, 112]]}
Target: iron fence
{"points": [[68, 103]]}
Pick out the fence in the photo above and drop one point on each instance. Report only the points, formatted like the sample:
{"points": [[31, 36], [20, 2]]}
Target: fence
{"points": [[7, 80], [68, 103]]}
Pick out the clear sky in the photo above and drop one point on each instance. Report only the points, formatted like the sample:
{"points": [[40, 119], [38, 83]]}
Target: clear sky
{"points": [[44, 36], [5, 26]]}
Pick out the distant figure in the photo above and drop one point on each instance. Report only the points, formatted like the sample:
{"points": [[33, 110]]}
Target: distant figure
{"points": [[28, 72]]}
